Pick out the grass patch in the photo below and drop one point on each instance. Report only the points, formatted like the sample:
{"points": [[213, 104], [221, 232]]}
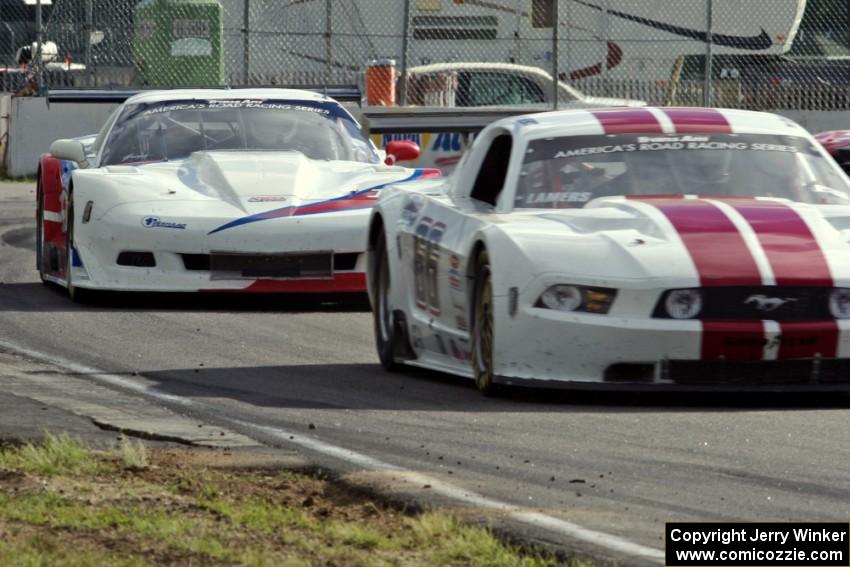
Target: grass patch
{"points": [[56, 454], [64, 505], [133, 453]]}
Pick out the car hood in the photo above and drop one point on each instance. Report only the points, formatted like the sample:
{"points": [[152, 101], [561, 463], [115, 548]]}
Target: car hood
{"points": [[691, 242], [255, 181]]}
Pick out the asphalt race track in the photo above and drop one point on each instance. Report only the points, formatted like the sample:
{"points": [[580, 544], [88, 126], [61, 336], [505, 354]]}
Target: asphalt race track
{"points": [[619, 464]]}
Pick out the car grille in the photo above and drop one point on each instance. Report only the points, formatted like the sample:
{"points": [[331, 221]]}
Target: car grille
{"points": [[796, 371], [314, 265], [743, 303], [744, 373]]}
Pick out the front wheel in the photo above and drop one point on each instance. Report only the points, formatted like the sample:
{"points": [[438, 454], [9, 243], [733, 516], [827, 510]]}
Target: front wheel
{"points": [[482, 328], [386, 338]]}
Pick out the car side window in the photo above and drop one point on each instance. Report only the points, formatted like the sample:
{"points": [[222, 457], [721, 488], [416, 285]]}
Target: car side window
{"points": [[490, 89], [494, 168], [101, 136]]}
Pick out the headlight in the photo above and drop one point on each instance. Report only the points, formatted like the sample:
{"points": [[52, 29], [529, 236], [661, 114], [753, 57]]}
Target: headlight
{"points": [[839, 303], [577, 298], [683, 303]]}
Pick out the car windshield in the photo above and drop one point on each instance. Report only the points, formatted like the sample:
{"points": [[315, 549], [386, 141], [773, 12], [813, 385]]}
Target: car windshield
{"points": [[568, 172], [166, 130]]}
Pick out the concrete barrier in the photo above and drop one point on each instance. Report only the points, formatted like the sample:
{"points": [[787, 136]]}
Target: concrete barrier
{"points": [[5, 103], [34, 125], [819, 120]]}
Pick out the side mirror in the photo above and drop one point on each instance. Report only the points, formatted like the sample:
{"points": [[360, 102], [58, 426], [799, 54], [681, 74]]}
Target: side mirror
{"points": [[401, 150], [71, 150]]}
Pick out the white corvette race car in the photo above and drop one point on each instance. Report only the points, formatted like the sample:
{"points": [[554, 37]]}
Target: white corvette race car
{"points": [[628, 248], [264, 190]]}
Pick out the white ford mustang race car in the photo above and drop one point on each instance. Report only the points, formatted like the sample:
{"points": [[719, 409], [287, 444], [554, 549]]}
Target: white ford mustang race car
{"points": [[264, 190], [627, 248]]}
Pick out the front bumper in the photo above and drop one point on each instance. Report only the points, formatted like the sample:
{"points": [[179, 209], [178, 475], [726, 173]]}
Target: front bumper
{"points": [[552, 348], [174, 250]]}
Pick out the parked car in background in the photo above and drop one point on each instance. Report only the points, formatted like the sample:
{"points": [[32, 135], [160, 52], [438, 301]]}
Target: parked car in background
{"points": [[475, 84], [468, 84]]}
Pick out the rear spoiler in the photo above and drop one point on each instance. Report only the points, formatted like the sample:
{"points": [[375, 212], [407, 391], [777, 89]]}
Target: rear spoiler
{"points": [[340, 93], [407, 119]]}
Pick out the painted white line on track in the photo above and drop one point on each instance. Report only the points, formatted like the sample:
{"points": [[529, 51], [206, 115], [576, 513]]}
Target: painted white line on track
{"points": [[517, 513]]}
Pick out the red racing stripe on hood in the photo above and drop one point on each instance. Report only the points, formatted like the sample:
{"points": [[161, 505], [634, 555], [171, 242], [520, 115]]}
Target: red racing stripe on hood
{"points": [[717, 249], [797, 260], [698, 121], [722, 258], [628, 121], [792, 250]]}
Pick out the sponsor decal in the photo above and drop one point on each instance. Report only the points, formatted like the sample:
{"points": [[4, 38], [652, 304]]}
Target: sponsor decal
{"points": [[559, 197], [421, 139], [267, 199], [447, 142], [721, 142], [156, 222], [459, 350], [455, 279], [460, 323], [240, 103]]}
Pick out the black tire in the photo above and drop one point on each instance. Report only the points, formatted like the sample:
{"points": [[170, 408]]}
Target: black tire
{"points": [[387, 340], [482, 328], [77, 295]]}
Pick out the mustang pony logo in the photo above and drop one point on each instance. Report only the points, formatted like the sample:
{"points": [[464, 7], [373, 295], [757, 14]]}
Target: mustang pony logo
{"points": [[767, 304]]}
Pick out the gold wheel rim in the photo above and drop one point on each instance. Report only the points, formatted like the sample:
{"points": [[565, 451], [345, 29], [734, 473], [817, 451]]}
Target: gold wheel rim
{"points": [[484, 336]]}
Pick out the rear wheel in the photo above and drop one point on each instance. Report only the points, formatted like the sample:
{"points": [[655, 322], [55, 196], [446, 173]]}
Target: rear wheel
{"points": [[482, 328], [386, 338]]}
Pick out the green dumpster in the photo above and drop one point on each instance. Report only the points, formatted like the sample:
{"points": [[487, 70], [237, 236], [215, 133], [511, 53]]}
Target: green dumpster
{"points": [[179, 43]]}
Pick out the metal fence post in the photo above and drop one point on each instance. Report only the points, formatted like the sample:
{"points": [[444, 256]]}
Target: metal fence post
{"points": [[405, 47], [708, 95], [38, 60], [328, 42], [555, 22], [246, 41], [87, 30]]}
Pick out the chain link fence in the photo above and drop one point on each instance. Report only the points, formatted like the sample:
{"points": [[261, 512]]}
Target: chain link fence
{"points": [[760, 54]]}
